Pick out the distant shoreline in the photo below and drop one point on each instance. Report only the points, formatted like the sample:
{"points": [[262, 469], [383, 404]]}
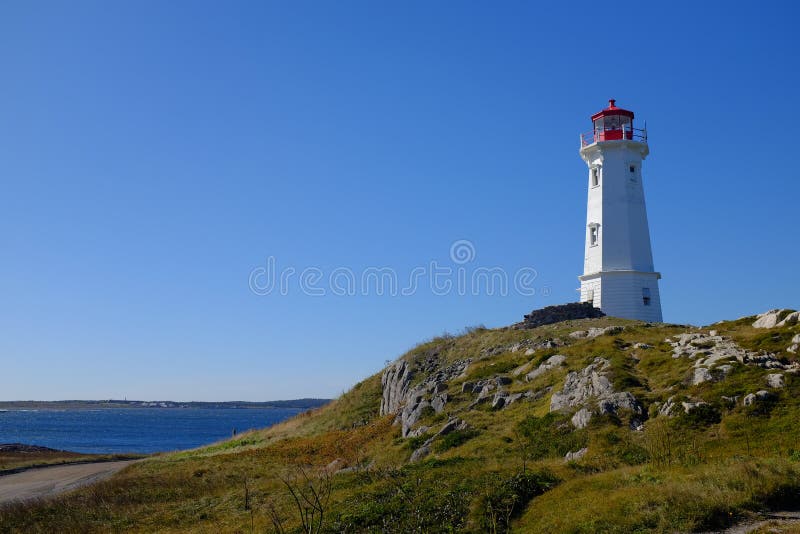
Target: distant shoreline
{"points": [[300, 404]]}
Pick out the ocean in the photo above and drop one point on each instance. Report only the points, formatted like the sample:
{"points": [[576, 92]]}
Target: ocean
{"points": [[136, 430]]}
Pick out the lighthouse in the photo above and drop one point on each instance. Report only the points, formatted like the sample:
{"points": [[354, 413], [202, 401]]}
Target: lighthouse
{"points": [[618, 273]]}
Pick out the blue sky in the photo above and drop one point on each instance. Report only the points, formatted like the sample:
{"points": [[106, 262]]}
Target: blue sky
{"points": [[153, 154]]}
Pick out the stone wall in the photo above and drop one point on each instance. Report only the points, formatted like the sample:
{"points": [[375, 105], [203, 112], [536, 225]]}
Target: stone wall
{"points": [[561, 312]]}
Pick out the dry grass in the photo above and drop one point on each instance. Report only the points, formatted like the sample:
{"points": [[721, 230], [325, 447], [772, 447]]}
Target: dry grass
{"points": [[716, 472]]}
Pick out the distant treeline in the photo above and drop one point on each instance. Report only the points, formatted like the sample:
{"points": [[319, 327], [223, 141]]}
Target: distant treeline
{"points": [[303, 404]]}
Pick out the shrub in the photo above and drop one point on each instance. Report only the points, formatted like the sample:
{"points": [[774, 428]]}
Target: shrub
{"points": [[701, 416], [550, 435], [504, 498], [454, 439]]}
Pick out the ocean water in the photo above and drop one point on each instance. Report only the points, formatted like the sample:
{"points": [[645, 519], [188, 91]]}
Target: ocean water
{"points": [[142, 430]]}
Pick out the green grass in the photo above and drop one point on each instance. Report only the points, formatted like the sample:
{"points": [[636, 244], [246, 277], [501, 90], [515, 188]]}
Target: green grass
{"points": [[505, 471]]}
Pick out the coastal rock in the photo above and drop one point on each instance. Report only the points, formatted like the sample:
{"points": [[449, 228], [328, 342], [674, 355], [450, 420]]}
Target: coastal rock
{"points": [[409, 403], [668, 407], [577, 455], [791, 319], [701, 374], [771, 318], [731, 401], [775, 380], [530, 345], [718, 351], [551, 363], [580, 386], [581, 418], [689, 406], [642, 346], [758, 396], [438, 402], [420, 453], [591, 383], [395, 381]]}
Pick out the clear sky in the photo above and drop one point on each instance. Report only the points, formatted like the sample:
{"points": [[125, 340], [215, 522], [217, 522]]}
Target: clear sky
{"points": [[154, 155]]}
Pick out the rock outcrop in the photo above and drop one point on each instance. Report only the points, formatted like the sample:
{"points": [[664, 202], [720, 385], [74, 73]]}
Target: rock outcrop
{"points": [[775, 380], [716, 356], [425, 449], [592, 384], [595, 332], [773, 318], [395, 382], [758, 396], [409, 403], [551, 363], [577, 455]]}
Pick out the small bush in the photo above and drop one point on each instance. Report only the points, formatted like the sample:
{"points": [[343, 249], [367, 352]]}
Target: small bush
{"points": [[551, 435], [701, 416], [504, 498], [416, 442], [454, 439]]}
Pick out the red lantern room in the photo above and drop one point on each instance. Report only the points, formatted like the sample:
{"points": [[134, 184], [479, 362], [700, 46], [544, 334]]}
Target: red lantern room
{"points": [[613, 124]]}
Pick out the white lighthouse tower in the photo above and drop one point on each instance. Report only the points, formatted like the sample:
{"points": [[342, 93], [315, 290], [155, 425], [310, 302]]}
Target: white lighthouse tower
{"points": [[618, 273]]}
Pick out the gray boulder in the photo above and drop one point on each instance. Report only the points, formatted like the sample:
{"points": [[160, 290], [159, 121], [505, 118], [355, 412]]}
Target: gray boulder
{"points": [[577, 455], [701, 374], [758, 396], [551, 363], [775, 380], [421, 453], [580, 386], [395, 382], [690, 406], [791, 319], [581, 418], [592, 384], [771, 318]]}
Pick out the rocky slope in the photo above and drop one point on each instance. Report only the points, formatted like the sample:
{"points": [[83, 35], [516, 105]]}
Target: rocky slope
{"points": [[555, 424]]}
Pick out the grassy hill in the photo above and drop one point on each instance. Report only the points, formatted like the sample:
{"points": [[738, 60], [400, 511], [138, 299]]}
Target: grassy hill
{"points": [[678, 439]]}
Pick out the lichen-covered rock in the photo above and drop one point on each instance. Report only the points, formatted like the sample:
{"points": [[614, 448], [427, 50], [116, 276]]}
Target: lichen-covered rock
{"points": [[502, 399], [423, 451], [689, 406], [592, 384], [409, 403], [759, 396], [581, 386], [668, 408], [395, 382], [551, 363], [577, 455], [581, 418], [775, 380], [701, 374], [710, 351], [791, 319], [771, 318]]}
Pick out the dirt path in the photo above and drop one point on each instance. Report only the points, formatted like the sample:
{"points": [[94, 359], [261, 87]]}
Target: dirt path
{"points": [[47, 481]]}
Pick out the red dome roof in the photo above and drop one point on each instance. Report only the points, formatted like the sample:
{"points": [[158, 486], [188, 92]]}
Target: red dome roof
{"points": [[612, 109]]}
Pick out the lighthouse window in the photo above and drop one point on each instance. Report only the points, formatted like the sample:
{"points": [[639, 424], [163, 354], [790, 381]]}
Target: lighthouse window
{"points": [[646, 296], [595, 176], [632, 168], [593, 232]]}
